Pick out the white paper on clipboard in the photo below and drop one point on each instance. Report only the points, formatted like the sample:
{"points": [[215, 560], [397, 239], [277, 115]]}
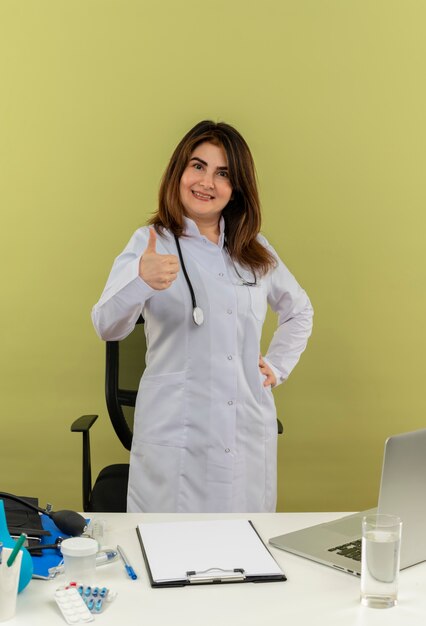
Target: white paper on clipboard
{"points": [[172, 549]]}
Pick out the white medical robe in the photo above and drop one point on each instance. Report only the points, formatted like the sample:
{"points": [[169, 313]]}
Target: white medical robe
{"points": [[205, 430]]}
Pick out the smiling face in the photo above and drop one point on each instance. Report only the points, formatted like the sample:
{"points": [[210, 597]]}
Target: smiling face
{"points": [[205, 188]]}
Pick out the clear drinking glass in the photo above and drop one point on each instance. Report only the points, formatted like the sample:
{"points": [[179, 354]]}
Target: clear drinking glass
{"points": [[381, 542]]}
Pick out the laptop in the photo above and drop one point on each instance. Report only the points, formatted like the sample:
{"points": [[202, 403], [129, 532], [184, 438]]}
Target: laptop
{"points": [[402, 492]]}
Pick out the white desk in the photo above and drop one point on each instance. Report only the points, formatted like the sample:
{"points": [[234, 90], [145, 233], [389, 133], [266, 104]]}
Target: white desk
{"points": [[313, 593]]}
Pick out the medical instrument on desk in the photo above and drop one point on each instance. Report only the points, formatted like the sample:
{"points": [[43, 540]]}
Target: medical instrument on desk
{"points": [[102, 558], [106, 556], [129, 569], [45, 546], [197, 312], [69, 522]]}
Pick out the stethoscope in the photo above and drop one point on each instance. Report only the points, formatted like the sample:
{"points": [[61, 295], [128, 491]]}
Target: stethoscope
{"points": [[197, 312]]}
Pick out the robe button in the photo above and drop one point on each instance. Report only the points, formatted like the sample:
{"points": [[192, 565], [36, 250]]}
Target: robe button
{"points": [[229, 311], [230, 402], [227, 450], [229, 357], [221, 274]]}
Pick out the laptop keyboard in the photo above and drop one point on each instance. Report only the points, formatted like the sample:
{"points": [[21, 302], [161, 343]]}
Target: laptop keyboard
{"points": [[351, 550]]}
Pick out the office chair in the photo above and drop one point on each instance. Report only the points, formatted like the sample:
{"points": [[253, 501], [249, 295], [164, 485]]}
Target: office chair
{"points": [[123, 369]]}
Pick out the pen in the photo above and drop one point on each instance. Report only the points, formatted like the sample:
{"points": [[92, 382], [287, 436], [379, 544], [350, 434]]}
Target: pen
{"points": [[14, 553], [129, 569]]}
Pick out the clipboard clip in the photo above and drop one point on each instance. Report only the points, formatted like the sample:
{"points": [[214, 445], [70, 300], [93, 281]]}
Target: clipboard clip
{"points": [[216, 575]]}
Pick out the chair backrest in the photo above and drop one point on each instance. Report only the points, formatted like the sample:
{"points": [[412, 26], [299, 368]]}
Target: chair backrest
{"points": [[125, 363]]}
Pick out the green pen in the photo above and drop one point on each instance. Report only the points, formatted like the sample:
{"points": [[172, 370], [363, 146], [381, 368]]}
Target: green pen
{"points": [[18, 545]]}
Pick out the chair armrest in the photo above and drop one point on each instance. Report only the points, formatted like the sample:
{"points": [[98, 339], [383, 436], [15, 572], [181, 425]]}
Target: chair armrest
{"points": [[83, 425]]}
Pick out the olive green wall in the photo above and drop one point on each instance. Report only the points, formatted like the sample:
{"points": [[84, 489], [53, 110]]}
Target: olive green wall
{"points": [[331, 97]]}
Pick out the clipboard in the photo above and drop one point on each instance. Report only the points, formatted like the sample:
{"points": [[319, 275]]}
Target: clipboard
{"points": [[205, 552]]}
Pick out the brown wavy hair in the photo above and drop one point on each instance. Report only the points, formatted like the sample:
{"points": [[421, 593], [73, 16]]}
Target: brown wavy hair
{"points": [[242, 214]]}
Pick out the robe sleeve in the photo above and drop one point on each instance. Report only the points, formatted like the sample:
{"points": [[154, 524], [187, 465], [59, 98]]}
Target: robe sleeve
{"points": [[287, 298], [115, 314]]}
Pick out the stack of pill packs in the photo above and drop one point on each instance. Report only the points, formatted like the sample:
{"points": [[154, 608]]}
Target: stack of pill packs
{"points": [[79, 603]]}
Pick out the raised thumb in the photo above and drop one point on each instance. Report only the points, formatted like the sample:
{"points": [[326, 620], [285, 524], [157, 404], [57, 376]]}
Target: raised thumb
{"points": [[152, 241]]}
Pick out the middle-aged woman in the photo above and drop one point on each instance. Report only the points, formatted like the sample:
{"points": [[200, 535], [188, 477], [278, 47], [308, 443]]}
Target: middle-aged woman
{"points": [[205, 431]]}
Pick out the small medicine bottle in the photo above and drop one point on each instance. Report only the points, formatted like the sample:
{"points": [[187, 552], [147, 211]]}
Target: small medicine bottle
{"points": [[80, 559]]}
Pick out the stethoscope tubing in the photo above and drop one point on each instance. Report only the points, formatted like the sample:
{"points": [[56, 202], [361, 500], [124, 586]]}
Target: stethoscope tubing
{"points": [[197, 312], [185, 273]]}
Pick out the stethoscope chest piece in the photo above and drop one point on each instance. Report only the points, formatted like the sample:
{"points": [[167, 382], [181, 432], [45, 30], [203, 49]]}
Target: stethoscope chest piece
{"points": [[198, 315]]}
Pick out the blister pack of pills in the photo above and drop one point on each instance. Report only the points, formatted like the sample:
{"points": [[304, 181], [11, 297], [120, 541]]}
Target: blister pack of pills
{"points": [[78, 603], [95, 598], [72, 606]]}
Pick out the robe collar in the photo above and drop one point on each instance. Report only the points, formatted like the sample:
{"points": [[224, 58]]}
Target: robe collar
{"points": [[190, 230]]}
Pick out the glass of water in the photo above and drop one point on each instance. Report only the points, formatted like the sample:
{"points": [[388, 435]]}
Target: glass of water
{"points": [[381, 542]]}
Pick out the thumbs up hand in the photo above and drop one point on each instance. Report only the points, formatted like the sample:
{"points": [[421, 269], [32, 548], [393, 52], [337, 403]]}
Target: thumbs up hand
{"points": [[157, 270]]}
